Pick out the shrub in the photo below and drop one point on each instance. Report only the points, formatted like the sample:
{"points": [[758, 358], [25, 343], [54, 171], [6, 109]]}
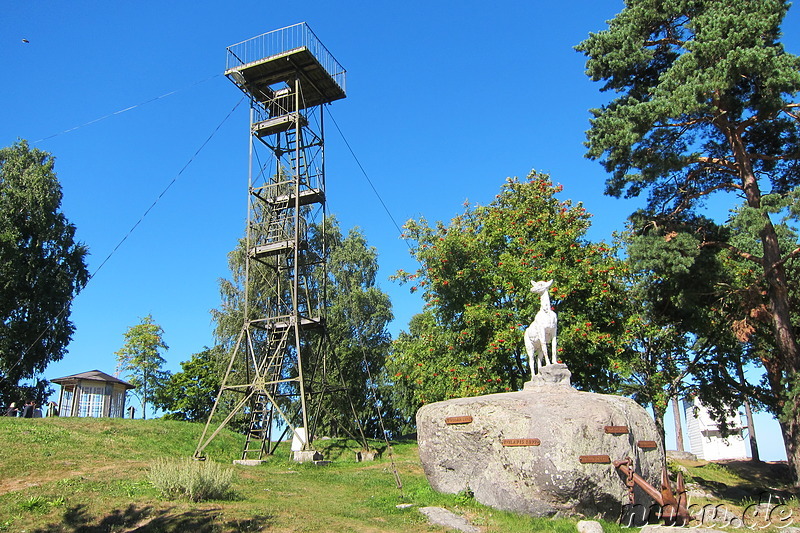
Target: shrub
{"points": [[194, 480]]}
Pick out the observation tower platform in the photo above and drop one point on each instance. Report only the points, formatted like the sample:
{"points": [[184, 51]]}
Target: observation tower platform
{"points": [[265, 67]]}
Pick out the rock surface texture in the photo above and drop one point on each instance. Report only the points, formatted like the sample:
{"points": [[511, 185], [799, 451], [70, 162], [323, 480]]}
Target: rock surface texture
{"points": [[442, 517], [589, 526], [540, 451]]}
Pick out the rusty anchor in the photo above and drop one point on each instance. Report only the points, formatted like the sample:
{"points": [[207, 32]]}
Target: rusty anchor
{"points": [[672, 503]]}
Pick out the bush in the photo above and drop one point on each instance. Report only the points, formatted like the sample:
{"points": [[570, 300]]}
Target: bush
{"points": [[194, 480]]}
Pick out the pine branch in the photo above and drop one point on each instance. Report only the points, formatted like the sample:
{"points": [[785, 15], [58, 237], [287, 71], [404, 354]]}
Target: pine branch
{"points": [[764, 157], [741, 253], [791, 255], [685, 199], [682, 124], [727, 165], [666, 40]]}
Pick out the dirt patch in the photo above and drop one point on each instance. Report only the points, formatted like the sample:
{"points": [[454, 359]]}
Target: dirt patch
{"points": [[61, 470]]}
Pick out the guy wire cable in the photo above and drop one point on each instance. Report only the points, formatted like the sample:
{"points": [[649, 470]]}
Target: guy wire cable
{"points": [[119, 112], [130, 231], [366, 176]]}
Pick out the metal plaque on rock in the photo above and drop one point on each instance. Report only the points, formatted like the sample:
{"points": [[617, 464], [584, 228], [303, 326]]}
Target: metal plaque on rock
{"points": [[454, 420], [521, 442], [595, 459]]}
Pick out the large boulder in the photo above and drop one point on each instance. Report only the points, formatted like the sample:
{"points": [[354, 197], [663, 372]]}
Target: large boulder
{"points": [[542, 451]]}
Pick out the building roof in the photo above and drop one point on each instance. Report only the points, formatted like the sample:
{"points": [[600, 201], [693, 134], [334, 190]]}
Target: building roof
{"points": [[94, 375]]}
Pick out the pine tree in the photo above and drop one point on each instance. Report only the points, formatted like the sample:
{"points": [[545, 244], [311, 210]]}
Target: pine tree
{"points": [[706, 103]]}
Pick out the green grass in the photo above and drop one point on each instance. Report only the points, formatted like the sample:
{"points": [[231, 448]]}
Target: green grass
{"points": [[92, 475], [737, 488], [71, 474], [716, 473]]}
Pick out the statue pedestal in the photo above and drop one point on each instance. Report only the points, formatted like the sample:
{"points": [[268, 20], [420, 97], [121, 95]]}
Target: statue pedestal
{"points": [[557, 375]]}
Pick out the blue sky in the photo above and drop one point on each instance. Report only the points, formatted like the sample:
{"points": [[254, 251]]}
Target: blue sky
{"points": [[444, 101]]}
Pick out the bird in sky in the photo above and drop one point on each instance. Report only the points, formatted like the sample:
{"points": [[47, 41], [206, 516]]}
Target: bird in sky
{"points": [[26, 41]]}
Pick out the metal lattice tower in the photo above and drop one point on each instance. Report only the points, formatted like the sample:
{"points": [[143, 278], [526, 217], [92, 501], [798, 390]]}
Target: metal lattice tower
{"points": [[279, 365]]}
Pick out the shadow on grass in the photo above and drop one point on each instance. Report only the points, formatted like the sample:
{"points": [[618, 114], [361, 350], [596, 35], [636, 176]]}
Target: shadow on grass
{"points": [[749, 480], [763, 473], [345, 449], [147, 519]]}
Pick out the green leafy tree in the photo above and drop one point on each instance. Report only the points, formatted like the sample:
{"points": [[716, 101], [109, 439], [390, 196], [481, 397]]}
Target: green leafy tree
{"points": [[706, 103], [475, 278], [356, 316], [671, 324], [42, 268], [141, 362], [189, 394]]}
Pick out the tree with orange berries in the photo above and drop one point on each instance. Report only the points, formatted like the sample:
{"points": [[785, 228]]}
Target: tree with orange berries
{"points": [[475, 279]]}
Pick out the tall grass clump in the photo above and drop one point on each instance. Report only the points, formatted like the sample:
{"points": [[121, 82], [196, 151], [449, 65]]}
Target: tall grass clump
{"points": [[190, 479]]}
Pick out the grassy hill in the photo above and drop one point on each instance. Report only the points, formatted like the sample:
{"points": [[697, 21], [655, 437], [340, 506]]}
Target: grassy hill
{"points": [[91, 476]]}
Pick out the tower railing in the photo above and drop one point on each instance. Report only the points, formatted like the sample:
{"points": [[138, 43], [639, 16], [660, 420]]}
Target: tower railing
{"points": [[283, 40]]}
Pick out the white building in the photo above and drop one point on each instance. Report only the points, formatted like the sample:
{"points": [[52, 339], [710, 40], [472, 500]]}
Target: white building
{"points": [[705, 438], [92, 394]]}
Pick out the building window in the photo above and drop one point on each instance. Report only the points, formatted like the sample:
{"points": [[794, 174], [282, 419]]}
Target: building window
{"points": [[91, 402], [66, 403], [117, 404]]}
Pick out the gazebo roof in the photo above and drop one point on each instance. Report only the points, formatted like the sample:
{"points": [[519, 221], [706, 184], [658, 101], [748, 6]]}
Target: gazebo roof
{"points": [[94, 375]]}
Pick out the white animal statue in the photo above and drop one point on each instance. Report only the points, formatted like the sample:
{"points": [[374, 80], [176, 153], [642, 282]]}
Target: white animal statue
{"points": [[542, 331]]}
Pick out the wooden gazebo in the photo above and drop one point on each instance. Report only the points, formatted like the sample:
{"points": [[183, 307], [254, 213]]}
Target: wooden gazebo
{"points": [[92, 394]]}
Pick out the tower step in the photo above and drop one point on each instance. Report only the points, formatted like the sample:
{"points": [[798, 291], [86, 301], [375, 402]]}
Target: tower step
{"points": [[306, 197], [274, 248], [277, 124]]}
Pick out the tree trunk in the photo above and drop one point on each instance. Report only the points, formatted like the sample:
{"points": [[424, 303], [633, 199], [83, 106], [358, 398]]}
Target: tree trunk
{"points": [[791, 433], [751, 428], [676, 411], [751, 432], [658, 418], [788, 355], [786, 360]]}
